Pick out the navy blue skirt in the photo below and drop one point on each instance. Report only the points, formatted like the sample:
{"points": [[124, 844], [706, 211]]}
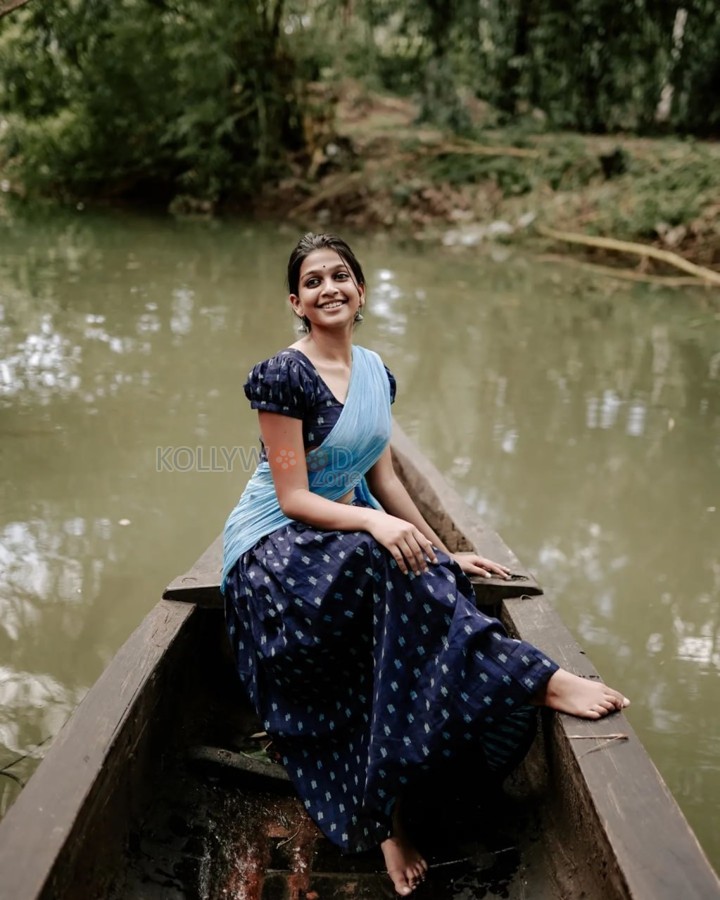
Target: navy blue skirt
{"points": [[367, 678]]}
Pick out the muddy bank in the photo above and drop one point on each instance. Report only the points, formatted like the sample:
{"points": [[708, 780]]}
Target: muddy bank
{"points": [[371, 167]]}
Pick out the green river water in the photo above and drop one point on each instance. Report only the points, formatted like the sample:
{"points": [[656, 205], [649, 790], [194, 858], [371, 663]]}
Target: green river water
{"points": [[580, 418]]}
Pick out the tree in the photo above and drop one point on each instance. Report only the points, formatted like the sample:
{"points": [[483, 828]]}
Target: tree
{"points": [[148, 98]]}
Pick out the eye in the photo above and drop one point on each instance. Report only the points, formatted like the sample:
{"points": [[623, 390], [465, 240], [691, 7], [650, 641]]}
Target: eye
{"points": [[312, 282], [342, 275]]}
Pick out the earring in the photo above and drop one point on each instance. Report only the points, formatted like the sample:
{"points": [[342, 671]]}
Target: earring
{"points": [[302, 326], [358, 317]]}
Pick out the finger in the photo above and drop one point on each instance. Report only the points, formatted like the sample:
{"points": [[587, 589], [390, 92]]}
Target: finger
{"points": [[425, 551], [430, 552], [399, 559], [412, 551], [472, 568], [495, 569], [419, 548]]}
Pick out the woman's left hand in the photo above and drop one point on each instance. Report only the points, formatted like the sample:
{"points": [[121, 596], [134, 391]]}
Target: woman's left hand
{"points": [[472, 564]]}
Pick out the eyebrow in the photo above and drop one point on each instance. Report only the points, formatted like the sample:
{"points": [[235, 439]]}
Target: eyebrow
{"points": [[334, 268]]}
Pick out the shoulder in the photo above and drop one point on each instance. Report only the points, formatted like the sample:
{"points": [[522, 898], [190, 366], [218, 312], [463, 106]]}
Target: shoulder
{"points": [[282, 383], [284, 364]]}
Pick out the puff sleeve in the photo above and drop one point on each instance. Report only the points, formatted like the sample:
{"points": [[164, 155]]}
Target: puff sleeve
{"points": [[280, 385]]}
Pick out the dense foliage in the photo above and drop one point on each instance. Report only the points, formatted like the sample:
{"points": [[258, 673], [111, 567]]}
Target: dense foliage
{"points": [[134, 96], [167, 98], [587, 65]]}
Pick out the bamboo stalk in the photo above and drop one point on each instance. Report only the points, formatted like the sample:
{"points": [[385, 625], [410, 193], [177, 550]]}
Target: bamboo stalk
{"points": [[646, 250]]}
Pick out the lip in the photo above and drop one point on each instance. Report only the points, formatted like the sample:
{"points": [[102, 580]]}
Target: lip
{"points": [[335, 304]]}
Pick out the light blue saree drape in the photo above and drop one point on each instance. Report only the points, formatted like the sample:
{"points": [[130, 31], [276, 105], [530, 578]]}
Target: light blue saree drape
{"points": [[336, 467]]}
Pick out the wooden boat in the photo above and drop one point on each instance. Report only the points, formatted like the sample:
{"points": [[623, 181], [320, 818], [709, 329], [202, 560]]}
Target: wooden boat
{"points": [[140, 797]]}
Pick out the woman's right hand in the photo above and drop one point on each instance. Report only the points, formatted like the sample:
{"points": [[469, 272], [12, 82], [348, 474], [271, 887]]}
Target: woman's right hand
{"points": [[407, 545]]}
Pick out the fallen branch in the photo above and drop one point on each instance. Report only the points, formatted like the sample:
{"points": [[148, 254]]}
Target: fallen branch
{"points": [[338, 186], [11, 5], [646, 250], [625, 274]]}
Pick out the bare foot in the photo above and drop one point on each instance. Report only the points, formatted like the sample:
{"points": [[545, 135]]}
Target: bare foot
{"points": [[581, 697], [404, 864]]}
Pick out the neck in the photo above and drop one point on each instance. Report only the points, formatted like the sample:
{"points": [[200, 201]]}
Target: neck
{"points": [[333, 346]]}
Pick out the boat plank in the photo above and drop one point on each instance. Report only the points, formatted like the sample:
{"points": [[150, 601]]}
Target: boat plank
{"points": [[72, 803], [201, 583], [647, 847]]}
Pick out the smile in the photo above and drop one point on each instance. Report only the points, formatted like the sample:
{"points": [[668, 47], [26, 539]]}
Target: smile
{"points": [[333, 305]]}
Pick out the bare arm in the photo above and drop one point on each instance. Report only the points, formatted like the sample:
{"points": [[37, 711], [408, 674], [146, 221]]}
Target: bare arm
{"points": [[392, 494], [406, 542]]}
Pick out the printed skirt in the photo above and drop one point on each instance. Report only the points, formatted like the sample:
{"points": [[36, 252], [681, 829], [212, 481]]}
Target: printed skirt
{"points": [[368, 679]]}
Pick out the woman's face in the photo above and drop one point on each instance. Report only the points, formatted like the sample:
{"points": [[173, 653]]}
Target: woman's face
{"points": [[328, 293]]}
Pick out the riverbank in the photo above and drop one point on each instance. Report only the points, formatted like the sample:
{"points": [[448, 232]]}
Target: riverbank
{"points": [[373, 168], [370, 167]]}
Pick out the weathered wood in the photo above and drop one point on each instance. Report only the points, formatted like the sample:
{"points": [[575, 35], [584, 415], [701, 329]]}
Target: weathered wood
{"points": [[201, 584], [72, 816], [621, 827], [238, 762]]}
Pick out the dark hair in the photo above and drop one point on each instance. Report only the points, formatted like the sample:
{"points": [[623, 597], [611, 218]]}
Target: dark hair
{"points": [[311, 242]]}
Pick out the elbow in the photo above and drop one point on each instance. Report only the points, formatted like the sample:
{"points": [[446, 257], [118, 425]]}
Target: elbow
{"points": [[384, 487], [290, 504]]}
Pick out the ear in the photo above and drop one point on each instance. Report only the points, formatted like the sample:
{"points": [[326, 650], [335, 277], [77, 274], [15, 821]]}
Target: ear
{"points": [[361, 291], [294, 301]]}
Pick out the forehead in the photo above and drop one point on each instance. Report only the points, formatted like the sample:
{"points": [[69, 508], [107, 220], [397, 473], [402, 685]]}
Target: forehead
{"points": [[319, 258]]}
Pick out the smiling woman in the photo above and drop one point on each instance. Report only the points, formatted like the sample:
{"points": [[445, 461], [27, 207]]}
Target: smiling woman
{"points": [[335, 280], [353, 627]]}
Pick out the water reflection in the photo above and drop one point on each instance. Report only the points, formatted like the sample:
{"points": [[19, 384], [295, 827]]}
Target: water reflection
{"points": [[581, 421]]}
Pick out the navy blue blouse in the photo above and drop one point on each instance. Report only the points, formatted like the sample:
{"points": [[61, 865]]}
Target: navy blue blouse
{"points": [[288, 383]]}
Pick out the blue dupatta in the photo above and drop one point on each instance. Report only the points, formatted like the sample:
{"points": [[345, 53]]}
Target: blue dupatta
{"points": [[337, 466]]}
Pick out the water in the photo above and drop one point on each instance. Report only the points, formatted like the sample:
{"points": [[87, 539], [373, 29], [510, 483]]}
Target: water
{"points": [[579, 417]]}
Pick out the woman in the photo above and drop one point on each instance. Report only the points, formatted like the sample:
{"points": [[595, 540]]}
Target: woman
{"points": [[353, 626]]}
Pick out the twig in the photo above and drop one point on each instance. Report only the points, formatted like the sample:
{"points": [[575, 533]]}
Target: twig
{"points": [[646, 250], [625, 274], [13, 777], [598, 737], [14, 762], [288, 839], [605, 739]]}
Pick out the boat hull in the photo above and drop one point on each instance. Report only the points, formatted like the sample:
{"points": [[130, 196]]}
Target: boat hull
{"points": [[136, 799]]}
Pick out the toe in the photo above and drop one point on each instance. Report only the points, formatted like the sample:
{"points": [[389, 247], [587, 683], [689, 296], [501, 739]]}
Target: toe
{"points": [[400, 882]]}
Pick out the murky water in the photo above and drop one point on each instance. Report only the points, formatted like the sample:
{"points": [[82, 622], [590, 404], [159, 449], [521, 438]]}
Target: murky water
{"points": [[581, 419]]}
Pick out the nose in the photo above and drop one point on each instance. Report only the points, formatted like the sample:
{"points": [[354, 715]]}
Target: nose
{"points": [[329, 287]]}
